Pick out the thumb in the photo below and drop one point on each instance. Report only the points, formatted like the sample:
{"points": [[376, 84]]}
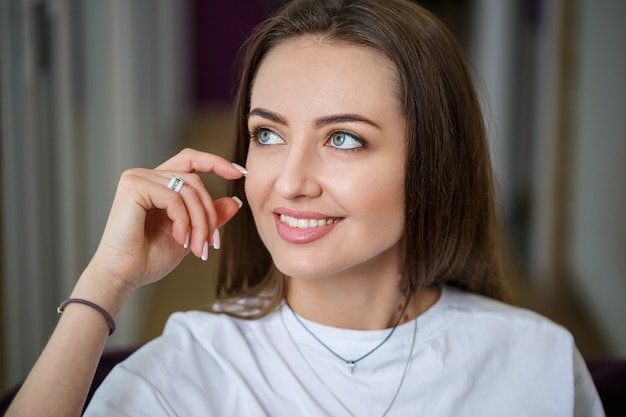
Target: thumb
{"points": [[226, 209]]}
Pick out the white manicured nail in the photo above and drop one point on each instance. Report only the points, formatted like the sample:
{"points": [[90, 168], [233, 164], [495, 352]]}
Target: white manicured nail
{"points": [[238, 200], [240, 169], [205, 251], [186, 244], [216, 239]]}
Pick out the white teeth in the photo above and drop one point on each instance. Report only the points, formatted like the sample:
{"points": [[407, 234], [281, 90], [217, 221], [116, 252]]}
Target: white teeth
{"points": [[304, 223]]}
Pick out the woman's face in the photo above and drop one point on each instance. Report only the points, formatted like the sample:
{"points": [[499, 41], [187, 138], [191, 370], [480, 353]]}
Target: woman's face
{"points": [[327, 160]]}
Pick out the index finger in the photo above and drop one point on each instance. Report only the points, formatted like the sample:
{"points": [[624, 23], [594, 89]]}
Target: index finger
{"points": [[192, 160]]}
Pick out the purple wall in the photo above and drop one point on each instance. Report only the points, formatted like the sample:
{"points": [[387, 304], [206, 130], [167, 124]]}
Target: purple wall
{"points": [[218, 29]]}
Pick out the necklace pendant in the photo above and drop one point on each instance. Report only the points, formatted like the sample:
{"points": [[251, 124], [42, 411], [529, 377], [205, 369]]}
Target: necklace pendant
{"points": [[350, 365]]}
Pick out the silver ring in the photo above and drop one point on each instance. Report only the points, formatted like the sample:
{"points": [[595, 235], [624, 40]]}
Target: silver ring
{"points": [[176, 183]]}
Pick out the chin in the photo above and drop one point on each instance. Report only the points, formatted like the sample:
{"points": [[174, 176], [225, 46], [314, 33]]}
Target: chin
{"points": [[303, 269]]}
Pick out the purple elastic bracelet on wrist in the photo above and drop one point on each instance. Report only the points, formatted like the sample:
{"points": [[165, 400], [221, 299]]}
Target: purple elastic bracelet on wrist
{"points": [[95, 306]]}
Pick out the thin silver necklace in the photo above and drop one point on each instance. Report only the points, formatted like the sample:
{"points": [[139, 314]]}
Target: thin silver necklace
{"points": [[350, 363], [321, 380]]}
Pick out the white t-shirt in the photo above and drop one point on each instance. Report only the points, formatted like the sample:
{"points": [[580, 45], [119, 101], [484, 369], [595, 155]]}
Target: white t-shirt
{"points": [[472, 356]]}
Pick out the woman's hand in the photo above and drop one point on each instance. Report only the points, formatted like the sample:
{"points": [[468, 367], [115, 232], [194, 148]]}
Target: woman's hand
{"points": [[151, 227], [143, 240]]}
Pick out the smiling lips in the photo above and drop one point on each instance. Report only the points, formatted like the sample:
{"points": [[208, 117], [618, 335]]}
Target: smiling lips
{"points": [[305, 223], [303, 230]]}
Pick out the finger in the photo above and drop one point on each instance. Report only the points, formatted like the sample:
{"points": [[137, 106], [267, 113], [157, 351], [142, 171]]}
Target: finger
{"points": [[218, 213], [204, 229], [191, 160], [150, 194], [190, 209], [226, 209], [200, 209]]}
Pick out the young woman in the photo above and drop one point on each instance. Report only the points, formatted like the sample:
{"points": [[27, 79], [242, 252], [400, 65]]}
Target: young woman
{"points": [[358, 278]]}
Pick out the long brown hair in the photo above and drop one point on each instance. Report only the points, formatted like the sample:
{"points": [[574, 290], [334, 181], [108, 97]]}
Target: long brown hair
{"points": [[450, 225]]}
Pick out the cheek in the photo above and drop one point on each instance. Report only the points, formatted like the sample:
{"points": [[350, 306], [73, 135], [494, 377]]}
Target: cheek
{"points": [[375, 190], [386, 200], [380, 201]]}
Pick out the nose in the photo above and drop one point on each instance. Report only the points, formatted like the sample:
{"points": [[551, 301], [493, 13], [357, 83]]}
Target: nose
{"points": [[299, 174]]}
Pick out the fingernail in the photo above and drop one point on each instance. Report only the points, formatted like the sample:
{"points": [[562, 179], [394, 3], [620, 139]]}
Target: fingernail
{"points": [[205, 251], [240, 169], [238, 200], [186, 244], [216, 239]]}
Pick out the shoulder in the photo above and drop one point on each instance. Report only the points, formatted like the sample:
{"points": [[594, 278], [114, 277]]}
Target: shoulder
{"points": [[172, 374], [472, 307], [197, 353], [501, 353], [492, 324], [195, 340], [214, 332], [188, 338]]}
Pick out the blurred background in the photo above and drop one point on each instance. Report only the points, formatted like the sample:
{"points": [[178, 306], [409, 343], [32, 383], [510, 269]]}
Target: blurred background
{"points": [[90, 88]]}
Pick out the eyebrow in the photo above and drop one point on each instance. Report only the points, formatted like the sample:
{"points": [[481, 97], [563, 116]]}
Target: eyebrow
{"points": [[321, 122]]}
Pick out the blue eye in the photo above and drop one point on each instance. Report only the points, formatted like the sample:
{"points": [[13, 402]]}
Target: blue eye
{"points": [[267, 137], [343, 140]]}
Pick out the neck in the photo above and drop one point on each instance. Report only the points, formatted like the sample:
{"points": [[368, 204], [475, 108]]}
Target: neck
{"points": [[354, 303]]}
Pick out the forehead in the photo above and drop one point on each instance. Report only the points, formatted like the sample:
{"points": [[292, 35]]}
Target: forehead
{"points": [[322, 73]]}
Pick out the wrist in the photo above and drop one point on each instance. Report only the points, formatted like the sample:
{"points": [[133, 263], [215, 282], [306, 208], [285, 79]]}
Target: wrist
{"points": [[105, 314], [100, 288]]}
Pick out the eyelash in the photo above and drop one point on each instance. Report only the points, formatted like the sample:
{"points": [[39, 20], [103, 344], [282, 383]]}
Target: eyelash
{"points": [[255, 133], [356, 137]]}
